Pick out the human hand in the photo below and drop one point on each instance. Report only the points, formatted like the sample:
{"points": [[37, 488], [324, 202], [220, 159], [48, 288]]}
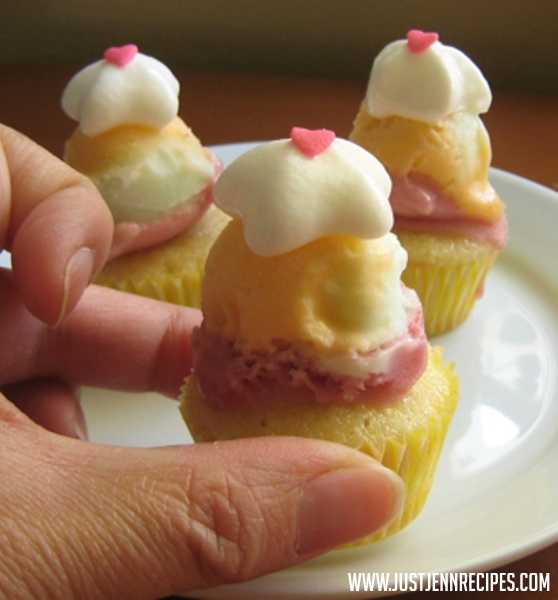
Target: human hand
{"points": [[82, 520]]}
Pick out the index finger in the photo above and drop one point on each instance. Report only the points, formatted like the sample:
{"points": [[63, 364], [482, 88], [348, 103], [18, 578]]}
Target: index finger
{"points": [[55, 223]]}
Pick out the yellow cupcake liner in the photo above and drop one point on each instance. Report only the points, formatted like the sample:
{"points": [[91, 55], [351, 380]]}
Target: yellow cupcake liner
{"points": [[414, 457], [448, 292], [172, 271], [183, 289], [407, 437]]}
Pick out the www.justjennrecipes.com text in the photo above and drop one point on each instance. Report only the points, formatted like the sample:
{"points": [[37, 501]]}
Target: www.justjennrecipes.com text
{"points": [[449, 582]]}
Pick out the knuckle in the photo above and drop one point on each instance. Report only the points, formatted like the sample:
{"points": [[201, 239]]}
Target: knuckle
{"points": [[226, 530]]}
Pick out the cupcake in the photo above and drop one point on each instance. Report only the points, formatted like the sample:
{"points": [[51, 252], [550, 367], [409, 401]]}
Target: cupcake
{"points": [[420, 118], [307, 329], [152, 171]]}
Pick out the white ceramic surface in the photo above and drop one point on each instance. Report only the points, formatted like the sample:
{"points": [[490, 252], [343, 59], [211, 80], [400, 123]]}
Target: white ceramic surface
{"points": [[495, 497]]}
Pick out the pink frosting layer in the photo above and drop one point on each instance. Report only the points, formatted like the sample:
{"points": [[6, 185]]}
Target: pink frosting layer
{"points": [[419, 204], [130, 236], [229, 378]]}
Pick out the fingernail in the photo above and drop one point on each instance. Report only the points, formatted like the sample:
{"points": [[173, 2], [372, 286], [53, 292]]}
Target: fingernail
{"points": [[79, 273], [80, 426], [345, 505]]}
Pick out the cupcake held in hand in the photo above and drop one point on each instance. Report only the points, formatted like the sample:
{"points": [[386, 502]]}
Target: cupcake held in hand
{"points": [[307, 329], [152, 171], [420, 118]]}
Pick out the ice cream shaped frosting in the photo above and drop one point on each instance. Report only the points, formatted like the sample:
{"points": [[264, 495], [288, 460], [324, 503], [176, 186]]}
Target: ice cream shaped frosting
{"points": [[125, 87], [293, 191], [152, 171], [303, 287], [420, 78]]}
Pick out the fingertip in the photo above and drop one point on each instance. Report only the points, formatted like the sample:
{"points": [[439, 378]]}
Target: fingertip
{"points": [[59, 249], [52, 404], [48, 211], [346, 505]]}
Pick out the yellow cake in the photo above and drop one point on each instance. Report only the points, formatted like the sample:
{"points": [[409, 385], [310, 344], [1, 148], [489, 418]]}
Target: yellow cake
{"points": [[407, 437], [420, 119], [154, 174], [307, 329], [171, 271]]}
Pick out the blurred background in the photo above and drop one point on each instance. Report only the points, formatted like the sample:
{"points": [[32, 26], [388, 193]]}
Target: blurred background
{"points": [[515, 42]]}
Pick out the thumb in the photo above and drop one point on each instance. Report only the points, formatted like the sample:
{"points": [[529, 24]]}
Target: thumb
{"points": [[146, 523]]}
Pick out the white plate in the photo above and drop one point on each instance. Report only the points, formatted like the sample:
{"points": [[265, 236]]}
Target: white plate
{"points": [[495, 497]]}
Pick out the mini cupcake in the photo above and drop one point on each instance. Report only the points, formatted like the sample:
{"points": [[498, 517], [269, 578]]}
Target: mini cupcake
{"points": [[307, 329], [420, 118], [152, 171]]}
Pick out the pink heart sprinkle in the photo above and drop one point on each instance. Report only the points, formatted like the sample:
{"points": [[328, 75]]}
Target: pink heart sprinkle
{"points": [[312, 141], [419, 41], [121, 56]]}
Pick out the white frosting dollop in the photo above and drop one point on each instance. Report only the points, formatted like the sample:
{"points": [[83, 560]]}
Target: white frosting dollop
{"points": [[425, 86], [287, 199], [105, 95]]}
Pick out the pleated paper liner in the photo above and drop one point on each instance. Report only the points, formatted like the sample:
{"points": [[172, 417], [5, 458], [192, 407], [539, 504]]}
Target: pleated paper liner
{"points": [[184, 289], [448, 274], [172, 271], [407, 437]]}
